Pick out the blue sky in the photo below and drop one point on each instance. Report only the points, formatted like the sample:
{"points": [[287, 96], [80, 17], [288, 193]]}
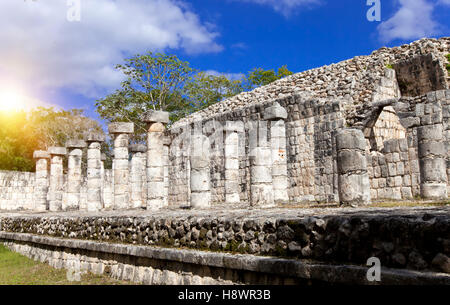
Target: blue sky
{"points": [[70, 64]]}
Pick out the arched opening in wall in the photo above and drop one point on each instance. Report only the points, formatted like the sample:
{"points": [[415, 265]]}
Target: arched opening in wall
{"points": [[385, 126]]}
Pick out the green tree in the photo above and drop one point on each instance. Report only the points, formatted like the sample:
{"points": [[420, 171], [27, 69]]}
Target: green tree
{"points": [[21, 133], [204, 90], [259, 77], [153, 81]]}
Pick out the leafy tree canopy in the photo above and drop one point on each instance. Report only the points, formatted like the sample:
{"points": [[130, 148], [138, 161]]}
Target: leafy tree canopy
{"points": [[22, 132]]}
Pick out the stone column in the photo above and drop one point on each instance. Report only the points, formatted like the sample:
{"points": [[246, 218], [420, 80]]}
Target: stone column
{"points": [[432, 154], [200, 173], [136, 169], [121, 132], [74, 175], [41, 184], [277, 115], [166, 147], [156, 121], [231, 148], [353, 178], [56, 188], [261, 182], [94, 171]]}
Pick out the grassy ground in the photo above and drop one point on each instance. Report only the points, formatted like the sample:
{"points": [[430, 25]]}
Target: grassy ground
{"points": [[16, 269]]}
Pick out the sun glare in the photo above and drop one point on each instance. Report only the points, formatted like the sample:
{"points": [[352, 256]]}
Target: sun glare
{"points": [[12, 101]]}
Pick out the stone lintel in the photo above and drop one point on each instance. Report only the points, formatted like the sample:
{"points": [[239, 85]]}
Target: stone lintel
{"points": [[135, 148], [234, 126], [41, 154], [76, 144], [275, 112], [156, 116], [95, 137], [121, 127], [57, 151]]}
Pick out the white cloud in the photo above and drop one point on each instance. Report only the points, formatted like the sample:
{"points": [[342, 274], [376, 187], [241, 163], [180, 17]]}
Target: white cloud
{"points": [[40, 47], [230, 76], [285, 7], [413, 20]]}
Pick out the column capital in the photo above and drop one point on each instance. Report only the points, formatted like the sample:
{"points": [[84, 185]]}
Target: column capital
{"points": [[41, 154], [121, 127], [57, 151], [75, 144], [95, 137], [156, 116]]}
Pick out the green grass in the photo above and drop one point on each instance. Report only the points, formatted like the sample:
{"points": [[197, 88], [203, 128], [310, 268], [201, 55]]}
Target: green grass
{"points": [[16, 269]]}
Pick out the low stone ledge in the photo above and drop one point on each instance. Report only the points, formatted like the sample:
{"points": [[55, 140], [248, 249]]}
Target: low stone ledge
{"points": [[336, 236], [287, 268]]}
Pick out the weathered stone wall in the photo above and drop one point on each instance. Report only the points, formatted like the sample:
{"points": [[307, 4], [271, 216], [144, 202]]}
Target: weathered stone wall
{"points": [[401, 238], [163, 266], [16, 190], [359, 80], [310, 128]]}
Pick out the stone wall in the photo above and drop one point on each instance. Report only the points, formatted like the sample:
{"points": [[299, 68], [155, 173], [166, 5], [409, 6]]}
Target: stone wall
{"points": [[16, 190], [159, 266], [359, 80], [412, 238]]}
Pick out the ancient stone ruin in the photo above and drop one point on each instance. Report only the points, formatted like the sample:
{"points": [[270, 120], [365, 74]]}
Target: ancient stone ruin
{"points": [[371, 128], [352, 132]]}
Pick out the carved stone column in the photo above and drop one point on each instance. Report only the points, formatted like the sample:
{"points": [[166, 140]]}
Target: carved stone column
{"points": [[56, 188], [277, 115], [74, 175], [94, 172], [121, 132], [231, 148], [156, 121], [200, 172], [41, 183], [353, 178], [432, 160], [137, 169]]}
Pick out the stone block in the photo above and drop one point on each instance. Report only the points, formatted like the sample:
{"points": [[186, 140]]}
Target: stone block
{"points": [[76, 144], [234, 126], [40, 154], [120, 127], [351, 160], [275, 112], [433, 170], [350, 139], [57, 151], [434, 191], [95, 137], [200, 200], [155, 116]]}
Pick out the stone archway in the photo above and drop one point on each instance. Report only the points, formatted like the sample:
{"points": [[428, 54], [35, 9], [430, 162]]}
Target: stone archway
{"points": [[383, 125]]}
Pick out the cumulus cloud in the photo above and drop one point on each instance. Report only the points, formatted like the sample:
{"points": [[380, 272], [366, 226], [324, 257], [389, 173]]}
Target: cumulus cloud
{"points": [[230, 76], [413, 20], [285, 7], [40, 47]]}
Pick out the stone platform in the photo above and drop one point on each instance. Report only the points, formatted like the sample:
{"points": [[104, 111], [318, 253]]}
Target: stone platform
{"points": [[402, 238]]}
